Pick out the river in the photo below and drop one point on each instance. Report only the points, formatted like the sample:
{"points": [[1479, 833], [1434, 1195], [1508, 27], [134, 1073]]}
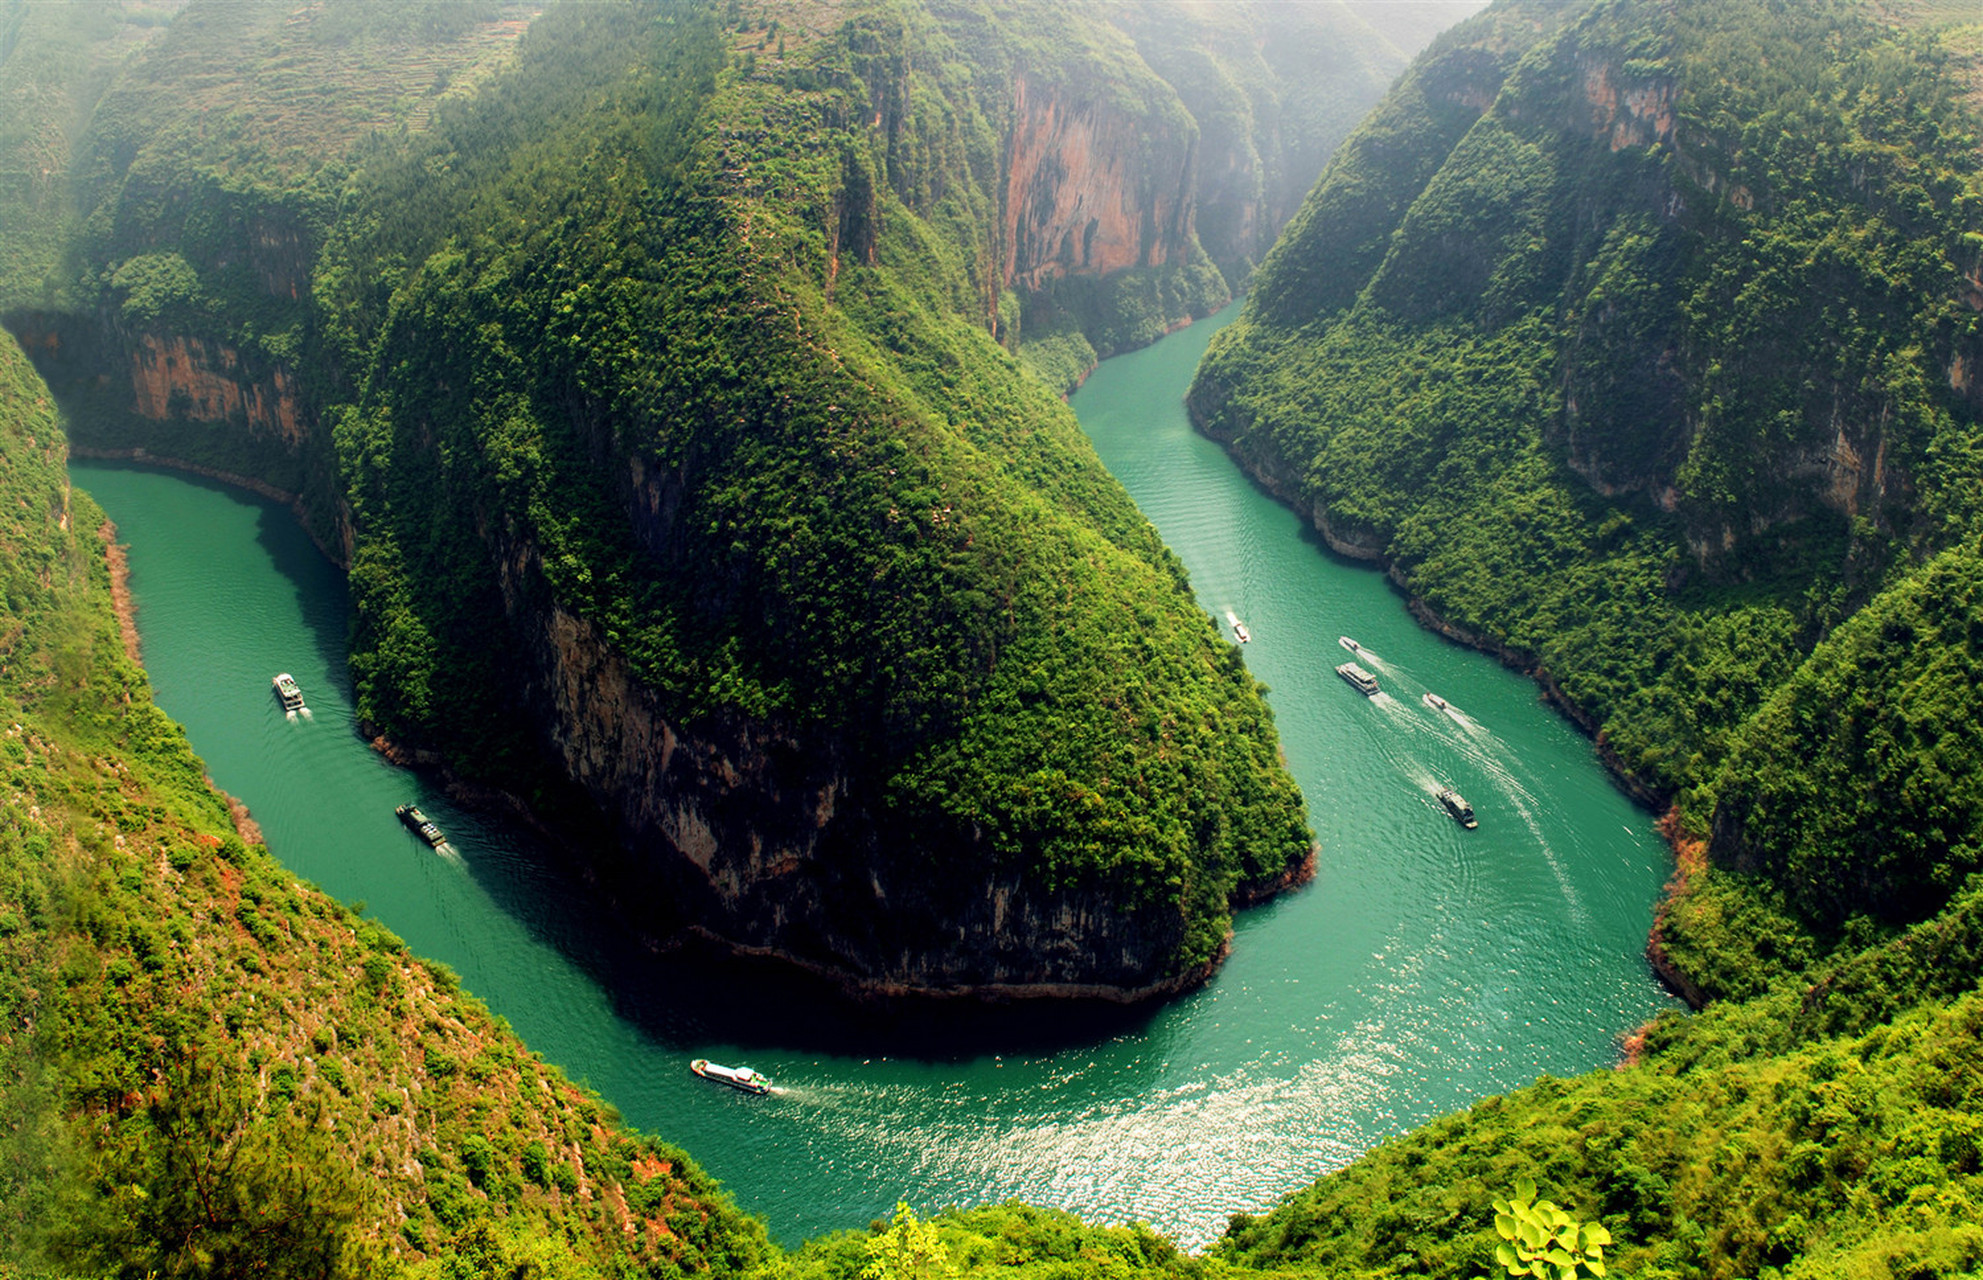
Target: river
{"points": [[1424, 968]]}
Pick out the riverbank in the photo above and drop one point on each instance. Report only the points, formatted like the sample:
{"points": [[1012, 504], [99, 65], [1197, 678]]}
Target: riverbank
{"points": [[1314, 515], [120, 591]]}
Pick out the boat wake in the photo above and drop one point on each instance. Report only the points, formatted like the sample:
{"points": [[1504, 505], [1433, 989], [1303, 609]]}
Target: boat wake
{"points": [[1474, 727], [1525, 804], [1366, 657], [291, 716], [1422, 777]]}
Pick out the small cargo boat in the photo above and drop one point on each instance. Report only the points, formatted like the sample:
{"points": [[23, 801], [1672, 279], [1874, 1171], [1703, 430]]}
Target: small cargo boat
{"points": [[420, 825], [736, 1077], [1238, 627], [1360, 680], [288, 693], [1436, 702], [1456, 804]]}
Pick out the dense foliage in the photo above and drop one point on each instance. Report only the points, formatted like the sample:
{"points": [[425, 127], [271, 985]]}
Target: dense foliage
{"points": [[54, 61], [892, 545], [1636, 337], [209, 1068], [1848, 1157], [1633, 335], [1648, 375]]}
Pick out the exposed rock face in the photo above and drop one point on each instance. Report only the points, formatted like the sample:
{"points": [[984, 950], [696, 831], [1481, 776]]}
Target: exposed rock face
{"points": [[174, 376], [170, 376], [751, 835], [1626, 111], [1090, 189]]}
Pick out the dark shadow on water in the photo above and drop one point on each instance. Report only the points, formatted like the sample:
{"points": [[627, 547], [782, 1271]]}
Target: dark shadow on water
{"points": [[686, 992], [319, 584]]}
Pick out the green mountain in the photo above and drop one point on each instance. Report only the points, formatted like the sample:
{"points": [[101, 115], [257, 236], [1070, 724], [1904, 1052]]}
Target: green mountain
{"points": [[673, 363], [680, 361], [1638, 343]]}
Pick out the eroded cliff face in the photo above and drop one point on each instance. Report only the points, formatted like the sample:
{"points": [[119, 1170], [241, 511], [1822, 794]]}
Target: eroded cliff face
{"points": [[1649, 420], [175, 376], [163, 376], [755, 837], [1091, 189]]}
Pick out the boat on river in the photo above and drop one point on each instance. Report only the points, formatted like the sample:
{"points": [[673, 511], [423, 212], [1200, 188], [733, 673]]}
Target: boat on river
{"points": [[1238, 627], [1456, 804], [420, 825], [736, 1077], [289, 694], [1360, 680], [1349, 644], [1436, 702]]}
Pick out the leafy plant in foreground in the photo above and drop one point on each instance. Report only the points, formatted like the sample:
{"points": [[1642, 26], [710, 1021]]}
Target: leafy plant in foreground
{"points": [[1541, 1240]]}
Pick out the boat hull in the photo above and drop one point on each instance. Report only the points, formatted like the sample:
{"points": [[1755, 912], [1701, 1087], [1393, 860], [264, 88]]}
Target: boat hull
{"points": [[1358, 679], [742, 1079]]}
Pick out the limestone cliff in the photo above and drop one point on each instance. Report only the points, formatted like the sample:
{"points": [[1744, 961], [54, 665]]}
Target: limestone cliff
{"points": [[174, 376], [1151, 157], [1092, 190]]}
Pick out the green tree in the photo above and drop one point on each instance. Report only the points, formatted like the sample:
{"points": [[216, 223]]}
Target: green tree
{"points": [[907, 1250], [206, 1180]]}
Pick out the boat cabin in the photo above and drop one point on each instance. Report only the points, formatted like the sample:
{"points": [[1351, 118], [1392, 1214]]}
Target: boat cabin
{"points": [[1360, 680]]}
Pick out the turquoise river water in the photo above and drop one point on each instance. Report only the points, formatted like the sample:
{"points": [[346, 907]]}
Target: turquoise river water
{"points": [[1424, 968]]}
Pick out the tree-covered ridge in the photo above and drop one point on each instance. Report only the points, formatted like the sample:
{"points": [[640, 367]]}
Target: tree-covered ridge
{"points": [[209, 1068], [264, 95], [255, 180], [219, 98], [1854, 1156], [54, 61], [849, 512], [1654, 374]]}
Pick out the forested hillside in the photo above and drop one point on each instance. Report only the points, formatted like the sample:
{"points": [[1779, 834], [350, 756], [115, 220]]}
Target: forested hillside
{"points": [[667, 371], [1652, 369], [209, 1068], [1638, 342], [672, 360], [663, 360]]}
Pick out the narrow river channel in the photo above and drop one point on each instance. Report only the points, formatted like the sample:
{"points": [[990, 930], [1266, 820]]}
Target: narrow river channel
{"points": [[1426, 967]]}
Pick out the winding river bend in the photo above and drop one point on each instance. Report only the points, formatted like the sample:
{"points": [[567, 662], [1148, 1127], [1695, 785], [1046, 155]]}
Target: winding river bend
{"points": [[1427, 966]]}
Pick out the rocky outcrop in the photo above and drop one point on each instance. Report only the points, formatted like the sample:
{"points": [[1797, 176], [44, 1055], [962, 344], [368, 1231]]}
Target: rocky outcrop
{"points": [[750, 835], [1091, 189], [159, 376], [174, 376], [1626, 109]]}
